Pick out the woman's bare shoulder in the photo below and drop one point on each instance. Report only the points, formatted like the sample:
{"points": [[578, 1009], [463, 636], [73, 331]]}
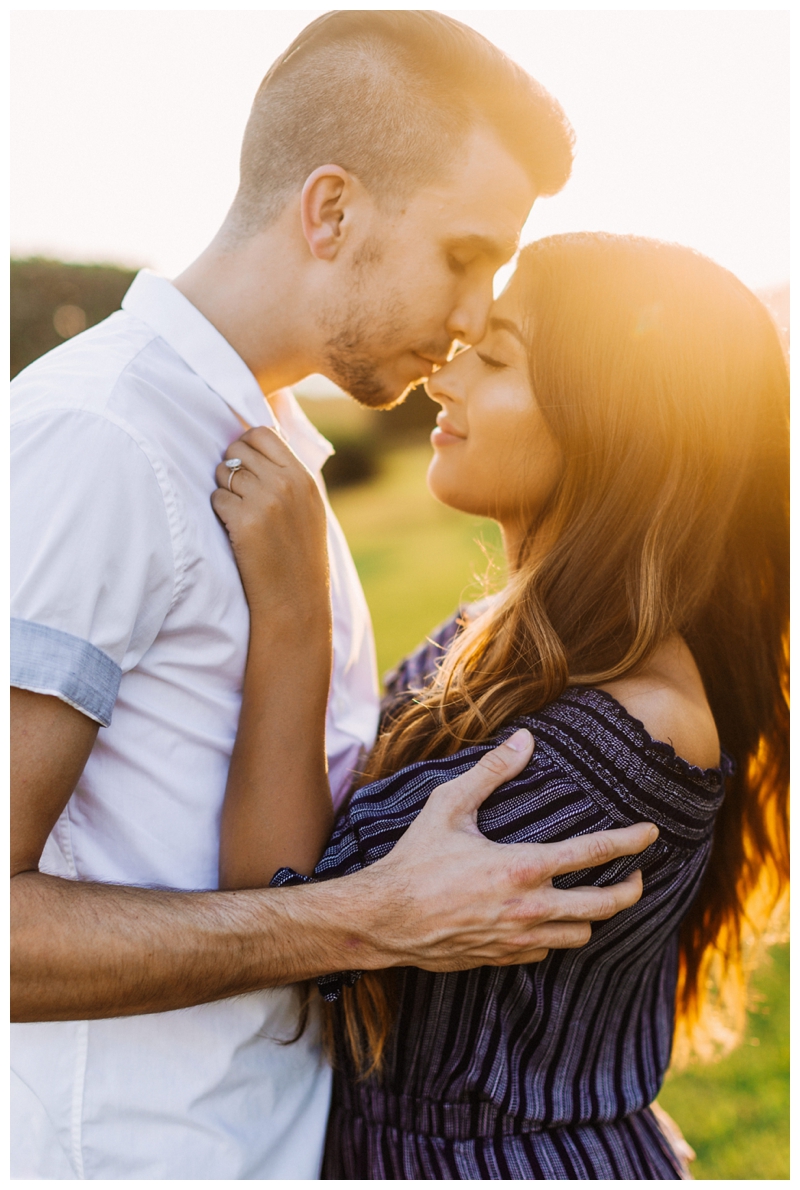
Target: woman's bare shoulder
{"points": [[669, 699]]}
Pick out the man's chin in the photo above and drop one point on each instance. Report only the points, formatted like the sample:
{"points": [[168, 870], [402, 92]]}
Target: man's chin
{"points": [[369, 389], [382, 401]]}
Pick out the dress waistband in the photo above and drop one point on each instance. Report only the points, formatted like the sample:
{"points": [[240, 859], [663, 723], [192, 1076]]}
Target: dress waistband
{"points": [[428, 1117]]}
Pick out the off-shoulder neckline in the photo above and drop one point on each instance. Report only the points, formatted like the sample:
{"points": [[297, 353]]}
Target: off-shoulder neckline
{"points": [[662, 748]]}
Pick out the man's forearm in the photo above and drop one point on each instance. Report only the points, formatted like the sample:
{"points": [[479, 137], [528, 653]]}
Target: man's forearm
{"points": [[82, 951], [444, 898]]}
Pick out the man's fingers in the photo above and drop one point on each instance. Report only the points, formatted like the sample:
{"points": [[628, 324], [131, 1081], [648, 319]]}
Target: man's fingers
{"points": [[464, 794], [561, 935], [529, 956], [589, 851], [552, 935], [585, 903]]}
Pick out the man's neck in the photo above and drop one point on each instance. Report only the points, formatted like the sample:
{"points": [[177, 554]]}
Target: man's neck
{"points": [[250, 295]]}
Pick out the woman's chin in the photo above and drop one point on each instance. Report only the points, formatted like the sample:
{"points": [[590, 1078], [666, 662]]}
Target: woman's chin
{"points": [[447, 490]]}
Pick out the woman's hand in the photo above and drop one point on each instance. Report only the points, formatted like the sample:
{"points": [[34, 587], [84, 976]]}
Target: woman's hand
{"points": [[277, 807], [275, 517]]}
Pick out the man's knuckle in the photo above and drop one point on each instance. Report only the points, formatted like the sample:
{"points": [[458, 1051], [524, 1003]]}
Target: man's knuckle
{"points": [[627, 894], [608, 905], [528, 870], [575, 938], [494, 764], [599, 848], [528, 913]]}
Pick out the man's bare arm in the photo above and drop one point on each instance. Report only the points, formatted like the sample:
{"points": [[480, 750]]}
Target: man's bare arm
{"points": [[445, 898]]}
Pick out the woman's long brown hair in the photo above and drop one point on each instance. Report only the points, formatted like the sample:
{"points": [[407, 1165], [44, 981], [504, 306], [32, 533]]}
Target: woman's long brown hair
{"points": [[664, 381]]}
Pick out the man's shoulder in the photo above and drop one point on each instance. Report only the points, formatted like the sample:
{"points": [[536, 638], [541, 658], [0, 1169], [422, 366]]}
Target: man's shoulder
{"points": [[85, 373]]}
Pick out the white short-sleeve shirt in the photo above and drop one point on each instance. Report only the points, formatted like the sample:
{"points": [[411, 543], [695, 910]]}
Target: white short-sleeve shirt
{"points": [[127, 604]]}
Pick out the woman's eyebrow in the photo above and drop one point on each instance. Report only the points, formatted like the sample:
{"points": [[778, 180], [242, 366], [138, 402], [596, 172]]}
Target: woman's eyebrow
{"points": [[505, 324]]}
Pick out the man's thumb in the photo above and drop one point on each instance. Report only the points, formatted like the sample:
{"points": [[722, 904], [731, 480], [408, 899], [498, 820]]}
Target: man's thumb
{"points": [[464, 794]]}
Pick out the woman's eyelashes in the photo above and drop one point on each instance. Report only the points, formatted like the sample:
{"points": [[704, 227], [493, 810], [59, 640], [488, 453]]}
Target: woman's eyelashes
{"points": [[489, 361]]}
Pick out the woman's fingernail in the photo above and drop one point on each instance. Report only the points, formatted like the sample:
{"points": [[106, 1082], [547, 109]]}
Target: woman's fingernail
{"points": [[653, 833], [520, 740]]}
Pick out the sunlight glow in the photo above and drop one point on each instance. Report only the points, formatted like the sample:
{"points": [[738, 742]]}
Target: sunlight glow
{"points": [[126, 126]]}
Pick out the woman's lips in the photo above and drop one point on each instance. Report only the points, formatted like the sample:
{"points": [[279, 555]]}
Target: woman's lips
{"points": [[445, 435]]}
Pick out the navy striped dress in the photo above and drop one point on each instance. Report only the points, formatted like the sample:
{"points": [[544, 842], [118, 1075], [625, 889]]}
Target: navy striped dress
{"points": [[544, 1070]]}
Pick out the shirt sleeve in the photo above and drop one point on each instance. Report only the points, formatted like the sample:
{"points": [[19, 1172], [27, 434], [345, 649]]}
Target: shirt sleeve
{"points": [[93, 563]]}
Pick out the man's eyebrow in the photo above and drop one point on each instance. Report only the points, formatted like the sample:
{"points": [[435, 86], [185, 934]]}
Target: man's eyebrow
{"points": [[495, 249], [505, 324]]}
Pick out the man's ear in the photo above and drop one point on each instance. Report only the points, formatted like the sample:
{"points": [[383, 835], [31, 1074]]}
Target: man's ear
{"points": [[323, 204]]}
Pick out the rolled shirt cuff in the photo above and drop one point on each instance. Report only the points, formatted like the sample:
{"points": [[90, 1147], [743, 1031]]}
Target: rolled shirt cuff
{"points": [[48, 661]]}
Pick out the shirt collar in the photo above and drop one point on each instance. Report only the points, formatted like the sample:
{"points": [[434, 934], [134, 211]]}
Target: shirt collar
{"points": [[302, 435], [155, 301]]}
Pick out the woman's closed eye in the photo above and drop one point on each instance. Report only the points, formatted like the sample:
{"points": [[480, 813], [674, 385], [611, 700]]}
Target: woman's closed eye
{"points": [[490, 361]]}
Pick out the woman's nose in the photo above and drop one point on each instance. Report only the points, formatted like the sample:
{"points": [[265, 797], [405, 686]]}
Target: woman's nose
{"points": [[443, 385]]}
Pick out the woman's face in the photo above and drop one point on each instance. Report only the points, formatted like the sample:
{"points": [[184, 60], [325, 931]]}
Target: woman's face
{"points": [[493, 454]]}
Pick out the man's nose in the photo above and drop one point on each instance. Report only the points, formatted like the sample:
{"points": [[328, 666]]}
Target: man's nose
{"points": [[468, 319]]}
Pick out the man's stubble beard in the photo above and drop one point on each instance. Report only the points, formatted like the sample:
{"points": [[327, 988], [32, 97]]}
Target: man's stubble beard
{"points": [[355, 352], [366, 332]]}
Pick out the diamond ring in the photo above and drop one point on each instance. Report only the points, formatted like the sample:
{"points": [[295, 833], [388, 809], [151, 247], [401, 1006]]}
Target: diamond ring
{"points": [[233, 466]]}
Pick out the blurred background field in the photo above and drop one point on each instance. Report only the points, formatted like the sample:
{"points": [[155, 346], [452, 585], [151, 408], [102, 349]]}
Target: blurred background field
{"points": [[418, 560], [735, 1112]]}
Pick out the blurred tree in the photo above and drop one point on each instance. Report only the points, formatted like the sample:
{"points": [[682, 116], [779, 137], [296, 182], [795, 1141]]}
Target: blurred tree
{"points": [[52, 301], [412, 421]]}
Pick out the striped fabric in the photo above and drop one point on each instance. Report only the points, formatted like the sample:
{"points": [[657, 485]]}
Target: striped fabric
{"points": [[544, 1070]]}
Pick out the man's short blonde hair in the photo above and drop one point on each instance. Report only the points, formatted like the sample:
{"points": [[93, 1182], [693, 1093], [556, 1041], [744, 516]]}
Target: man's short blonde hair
{"points": [[390, 96]]}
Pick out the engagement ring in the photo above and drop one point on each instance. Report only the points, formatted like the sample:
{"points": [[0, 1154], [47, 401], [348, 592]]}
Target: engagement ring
{"points": [[233, 466]]}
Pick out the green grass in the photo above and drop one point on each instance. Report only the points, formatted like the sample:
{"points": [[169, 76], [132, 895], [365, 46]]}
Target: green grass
{"points": [[735, 1112], [417, 560]]}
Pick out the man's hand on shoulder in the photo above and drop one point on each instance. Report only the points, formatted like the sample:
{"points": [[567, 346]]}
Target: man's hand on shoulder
{"points": [[452, 899], [445, 898]]}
